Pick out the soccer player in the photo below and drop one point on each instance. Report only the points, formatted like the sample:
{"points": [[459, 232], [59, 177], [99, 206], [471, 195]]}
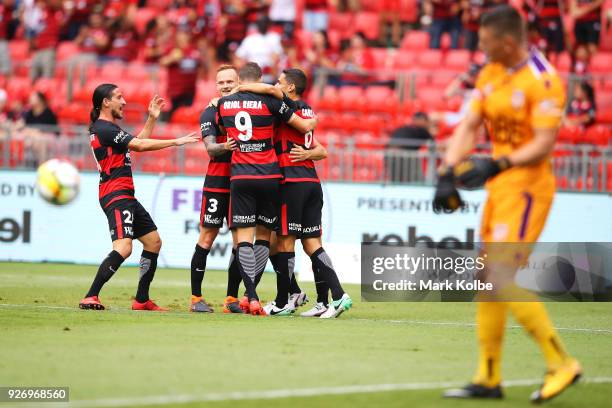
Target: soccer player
{"points": [[127, 218], [301, 206], [520, 97], [215, 195], [249, 119]]}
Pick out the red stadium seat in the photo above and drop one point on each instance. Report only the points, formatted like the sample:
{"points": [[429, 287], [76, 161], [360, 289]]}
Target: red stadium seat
{"points": [[431, 98], [381, 99], [598, 135], [415, 40], [369, 24], [138, 72], [186, 115], [601, 62], [381, 57], [457, 60], [351, 98], [329, 100], [430, 59], [113, 71], [340, 21], [66, 50], [18, 88], [160, 5], [405, 59], [408, 10], [19, 50]]}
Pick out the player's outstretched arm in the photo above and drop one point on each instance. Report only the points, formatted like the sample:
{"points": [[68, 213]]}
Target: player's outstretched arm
{"points": [[260, 88], [155, 107], [215, 149], [302, 125], [147, 145]]}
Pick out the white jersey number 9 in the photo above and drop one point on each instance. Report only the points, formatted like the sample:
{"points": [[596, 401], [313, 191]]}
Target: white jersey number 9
{"points": [[244, 126]]}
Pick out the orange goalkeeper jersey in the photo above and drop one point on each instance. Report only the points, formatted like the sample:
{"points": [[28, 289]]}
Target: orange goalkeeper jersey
{"points": [[513, 103]]}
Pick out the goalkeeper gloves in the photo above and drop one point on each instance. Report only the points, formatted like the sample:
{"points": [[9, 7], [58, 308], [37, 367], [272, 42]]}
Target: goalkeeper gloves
{"points": [[475, 172], [447, 197]]}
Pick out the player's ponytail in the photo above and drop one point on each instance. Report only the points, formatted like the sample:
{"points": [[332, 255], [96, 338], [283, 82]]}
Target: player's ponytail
{"points": [[101, 92]]}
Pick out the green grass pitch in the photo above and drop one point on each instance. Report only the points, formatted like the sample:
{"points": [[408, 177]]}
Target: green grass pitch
{"points": [[377, 354]]}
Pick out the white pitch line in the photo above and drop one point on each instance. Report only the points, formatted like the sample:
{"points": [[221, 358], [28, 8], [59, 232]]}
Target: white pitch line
{"points": [[422, 322], [296, 392]]}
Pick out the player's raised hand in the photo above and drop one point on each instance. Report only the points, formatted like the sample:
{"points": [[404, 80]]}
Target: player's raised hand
{"points": [[155, 106], [298, 154], [446, 198], [230, 144], [192, 137]]}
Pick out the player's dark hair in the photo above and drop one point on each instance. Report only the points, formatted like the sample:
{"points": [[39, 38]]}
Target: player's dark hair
{"points": [[101, 93], [505, 20], [297, 77], [250, 72]]}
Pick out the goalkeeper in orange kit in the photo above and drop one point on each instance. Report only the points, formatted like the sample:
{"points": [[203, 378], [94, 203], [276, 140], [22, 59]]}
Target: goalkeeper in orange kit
{"points": [[520, 98]]}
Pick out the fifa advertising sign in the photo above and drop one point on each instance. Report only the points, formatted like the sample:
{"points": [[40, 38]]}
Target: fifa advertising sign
{"points": [[33, 230]]}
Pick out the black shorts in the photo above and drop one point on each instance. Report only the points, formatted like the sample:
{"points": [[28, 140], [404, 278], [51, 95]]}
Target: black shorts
{"points": [[587, 32], [254, 202], [214, 209], [128, 219], [552, 29], [301, 207]]}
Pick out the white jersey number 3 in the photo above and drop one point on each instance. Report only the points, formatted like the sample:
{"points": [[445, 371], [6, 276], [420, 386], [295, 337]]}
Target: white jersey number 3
{"points": [[244, 124]]}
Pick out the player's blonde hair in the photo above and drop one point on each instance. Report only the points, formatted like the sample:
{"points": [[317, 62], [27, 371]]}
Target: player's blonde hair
{"points": [[225, 67]]}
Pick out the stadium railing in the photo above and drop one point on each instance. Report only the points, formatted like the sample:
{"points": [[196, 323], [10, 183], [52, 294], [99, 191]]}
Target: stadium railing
{"points": [[583, 167]]}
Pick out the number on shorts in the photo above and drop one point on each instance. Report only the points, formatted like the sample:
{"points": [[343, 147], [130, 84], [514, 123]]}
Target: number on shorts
{"points": [[213, 205], [128, 217], [244, 124]]}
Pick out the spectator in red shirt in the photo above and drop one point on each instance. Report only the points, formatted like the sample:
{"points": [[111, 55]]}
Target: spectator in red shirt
{"points": [[93, 38], [182, 61], [471, 12], [581, 111], [546, 14], [6, 13], [445, 19], [316, 17], [232, 28], [587, 27], [355, 62], [78, 12], [46, 39], [124, 44], [159, 36], [320, 55]]}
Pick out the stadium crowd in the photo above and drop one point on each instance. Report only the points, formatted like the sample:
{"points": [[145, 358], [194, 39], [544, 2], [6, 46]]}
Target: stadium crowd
{"points": [[373, 63]]}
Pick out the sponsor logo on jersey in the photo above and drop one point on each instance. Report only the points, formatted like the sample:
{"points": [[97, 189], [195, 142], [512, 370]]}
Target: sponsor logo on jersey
{"points": [[266, 219], [121, 136], [252, 147]]}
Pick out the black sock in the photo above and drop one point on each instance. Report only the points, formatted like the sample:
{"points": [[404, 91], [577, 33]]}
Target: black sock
{"points": [[245, 258], [148, 265], [321, 261], [198, 266], [286, 263], [233, 276], [322, 288], [274, 262], [293, 285], [107, 269]]}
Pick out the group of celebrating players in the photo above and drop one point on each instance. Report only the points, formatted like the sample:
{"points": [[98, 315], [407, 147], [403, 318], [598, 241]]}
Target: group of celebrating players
{"points": [[261, 179]]}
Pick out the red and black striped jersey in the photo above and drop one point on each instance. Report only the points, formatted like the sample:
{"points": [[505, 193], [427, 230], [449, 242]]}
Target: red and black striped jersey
{"points": [[110, 148], [250, 120], [286, 137], [218, 173], [547, 9], [592, 16]]}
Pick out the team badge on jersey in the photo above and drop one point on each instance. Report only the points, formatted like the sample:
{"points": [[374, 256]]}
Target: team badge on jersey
{"points": [[518, 99]]}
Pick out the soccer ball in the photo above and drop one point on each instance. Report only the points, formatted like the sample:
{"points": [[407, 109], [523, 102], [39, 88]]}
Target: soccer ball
{"points": [[58, 181]]}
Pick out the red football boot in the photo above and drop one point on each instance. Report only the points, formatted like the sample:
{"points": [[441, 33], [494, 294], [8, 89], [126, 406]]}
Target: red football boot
{"points": [[92, 302], [148, 305], [256, 309], [244, 304]]}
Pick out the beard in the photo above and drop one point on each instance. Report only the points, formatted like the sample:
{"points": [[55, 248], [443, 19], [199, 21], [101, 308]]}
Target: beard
{"points": [[117, 114]]}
